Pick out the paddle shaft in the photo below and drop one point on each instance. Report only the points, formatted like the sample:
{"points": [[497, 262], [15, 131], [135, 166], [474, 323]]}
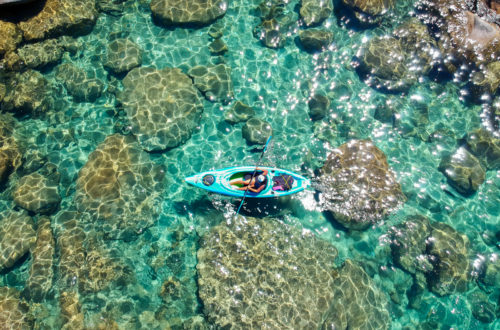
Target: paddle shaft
{"points": [[253, 174]]}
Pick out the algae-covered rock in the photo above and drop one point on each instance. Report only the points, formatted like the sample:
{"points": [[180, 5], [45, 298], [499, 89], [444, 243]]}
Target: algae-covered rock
{"points": [[58, 17], [485, 147], [163, 106], [315, 40], [314, 12], [42, 267], [17, 236], [188, 12], [10, 37], [357, 303], [214, 82], [270, 33], [256, 131], [13, 310], [123, 55], [264, 274], [463, 170], [120, 187], [38, 193], [358, 186], [78, 84], [239, 112], [486, 81], [27, 93]]}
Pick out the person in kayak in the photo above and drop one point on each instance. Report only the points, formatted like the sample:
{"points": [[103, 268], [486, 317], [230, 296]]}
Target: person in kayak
{"points": [[255, 184]]}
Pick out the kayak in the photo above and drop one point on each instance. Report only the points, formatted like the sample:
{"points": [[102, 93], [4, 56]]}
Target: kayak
{"points": [[278, 182]]}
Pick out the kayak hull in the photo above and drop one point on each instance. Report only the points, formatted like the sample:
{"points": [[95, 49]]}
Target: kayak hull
{"points": [[217, 181]]}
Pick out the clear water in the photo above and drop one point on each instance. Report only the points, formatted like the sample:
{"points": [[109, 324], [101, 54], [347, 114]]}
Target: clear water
{"points": [[277, 84]]}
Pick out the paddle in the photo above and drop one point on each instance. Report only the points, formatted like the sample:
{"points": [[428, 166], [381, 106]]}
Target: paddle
{"points": [[253, 174]]}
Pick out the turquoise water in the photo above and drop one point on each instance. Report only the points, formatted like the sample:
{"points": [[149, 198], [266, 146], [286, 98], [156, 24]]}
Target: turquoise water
{"points": [[151, 281]]}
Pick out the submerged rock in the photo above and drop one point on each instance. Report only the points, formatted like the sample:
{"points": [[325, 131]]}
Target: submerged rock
{"points": [[358, 186], [38, 193], [59, 17], [214, 82], [451, 263], [315, 40], [385, 61], [120, 187], [314, 12], [485, 146], [10, 153], [17, 236], [41, 271], [123, 55], [485, 82], [187, 12], [256, 131], [263, 273], [357, 303], [436, 253], [71, 310], [78, 84], [13, 311], [318, 106], [10, 37], [238, 113], [370, 7], [163, 106], [463, 171], [217, 47], [37, 55], [28, 93]]}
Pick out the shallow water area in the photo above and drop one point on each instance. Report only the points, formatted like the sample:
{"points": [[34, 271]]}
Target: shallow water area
{"points": [[396, 231]]}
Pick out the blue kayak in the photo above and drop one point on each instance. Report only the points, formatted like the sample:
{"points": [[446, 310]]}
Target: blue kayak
{"points": [[278, 182]]}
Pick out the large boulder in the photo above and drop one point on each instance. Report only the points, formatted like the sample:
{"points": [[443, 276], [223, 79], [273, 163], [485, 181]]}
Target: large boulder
{"points": [[60, 17], [28, 93], [358, 187], [187, 12], [314, 12], [17, 236], [120, 187], [163, 106], [463, 171], [123, 55], [266, 275], [78, 83], [214, 82]]}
